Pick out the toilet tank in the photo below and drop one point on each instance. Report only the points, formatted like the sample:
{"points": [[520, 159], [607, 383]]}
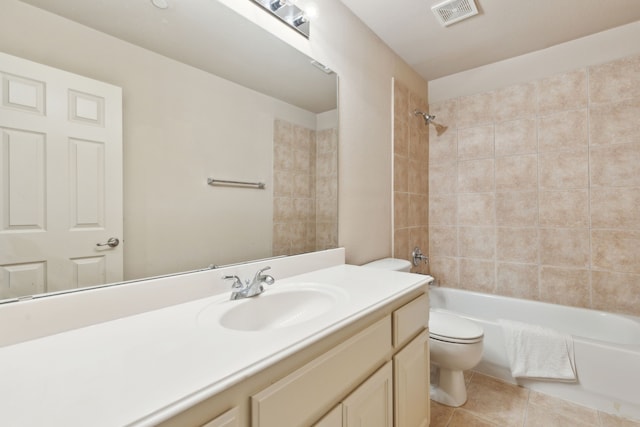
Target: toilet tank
{"points": [[394, 264]]}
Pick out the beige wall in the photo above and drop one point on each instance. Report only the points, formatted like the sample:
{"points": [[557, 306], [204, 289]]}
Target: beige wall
{"points": [[365, 66], [411, 175], [535, 189]]}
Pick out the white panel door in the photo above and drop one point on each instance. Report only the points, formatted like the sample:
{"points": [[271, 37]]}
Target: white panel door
{"points": [[60, 179]]}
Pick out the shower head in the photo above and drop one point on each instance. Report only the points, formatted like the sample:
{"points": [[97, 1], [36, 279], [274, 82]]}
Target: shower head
{"points": [[428, 118]]}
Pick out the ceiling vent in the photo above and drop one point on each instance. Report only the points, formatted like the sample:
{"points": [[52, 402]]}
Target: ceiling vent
{"points": [[452, 11]]}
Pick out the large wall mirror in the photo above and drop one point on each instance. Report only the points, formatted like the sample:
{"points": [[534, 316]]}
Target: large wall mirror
{"points": [[205, 94]]}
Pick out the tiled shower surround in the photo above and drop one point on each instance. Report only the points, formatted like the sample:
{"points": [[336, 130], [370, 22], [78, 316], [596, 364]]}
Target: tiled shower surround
{"points": [[535, 189], [411, 176], [305, 202]]}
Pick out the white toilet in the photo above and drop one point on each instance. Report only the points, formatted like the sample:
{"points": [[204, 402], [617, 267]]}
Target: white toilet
{"points": [[455, 345]]}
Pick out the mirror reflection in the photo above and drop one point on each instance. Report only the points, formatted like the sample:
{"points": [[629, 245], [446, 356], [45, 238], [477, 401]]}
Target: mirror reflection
{"points": [[204, 94]]}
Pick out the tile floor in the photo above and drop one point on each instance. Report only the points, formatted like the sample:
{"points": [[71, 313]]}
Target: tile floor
{"points": [[493, 403]]}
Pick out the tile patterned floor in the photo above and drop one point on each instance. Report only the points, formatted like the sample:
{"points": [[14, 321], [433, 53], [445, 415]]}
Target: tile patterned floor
{"points": [[493, 403]]}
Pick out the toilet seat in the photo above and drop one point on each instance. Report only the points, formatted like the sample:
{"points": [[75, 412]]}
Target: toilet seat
{"points": [[455, 329]]}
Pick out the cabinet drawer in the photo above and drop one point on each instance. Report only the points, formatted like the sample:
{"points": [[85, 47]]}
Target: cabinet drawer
{"points": [[410, 320], [335, 373], [228, 419]]}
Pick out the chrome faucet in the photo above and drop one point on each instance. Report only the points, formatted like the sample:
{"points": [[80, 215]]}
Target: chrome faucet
{"points": [[419, 257], [252, 289]]}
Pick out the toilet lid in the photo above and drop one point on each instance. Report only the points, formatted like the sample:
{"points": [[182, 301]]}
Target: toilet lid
{"points": [[449, 327], [393, 264]]}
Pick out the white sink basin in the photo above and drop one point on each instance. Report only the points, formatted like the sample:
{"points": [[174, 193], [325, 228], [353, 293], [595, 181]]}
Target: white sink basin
{"points": [[275, 308]]}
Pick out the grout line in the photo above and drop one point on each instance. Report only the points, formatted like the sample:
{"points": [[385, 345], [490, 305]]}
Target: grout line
{"points": [[590, 279], [450, 417], [538, 228], [526, 409], [457, 195], [496, 290]]}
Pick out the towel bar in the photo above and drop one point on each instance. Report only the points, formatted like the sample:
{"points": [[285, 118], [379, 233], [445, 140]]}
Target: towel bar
{"points": [[260, 185]]}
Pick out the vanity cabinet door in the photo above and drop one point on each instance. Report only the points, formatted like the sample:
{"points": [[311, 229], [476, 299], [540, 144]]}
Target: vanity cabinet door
{"points": [[303, 396], [228, 419], [371, 404], [411, 383], [332, 419]]}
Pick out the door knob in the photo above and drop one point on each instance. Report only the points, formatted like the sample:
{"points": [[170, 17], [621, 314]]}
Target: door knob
{"points": [[112, 243]]}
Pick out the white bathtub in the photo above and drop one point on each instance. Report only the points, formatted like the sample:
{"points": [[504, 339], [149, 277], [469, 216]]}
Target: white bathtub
{"points": [[607, 347]]}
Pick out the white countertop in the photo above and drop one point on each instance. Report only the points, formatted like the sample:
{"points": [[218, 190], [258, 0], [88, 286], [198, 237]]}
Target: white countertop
{"points": [[145, 368]]}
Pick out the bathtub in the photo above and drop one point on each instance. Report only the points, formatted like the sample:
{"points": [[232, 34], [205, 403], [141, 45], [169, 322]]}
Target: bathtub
{"points": [[607, 347]]}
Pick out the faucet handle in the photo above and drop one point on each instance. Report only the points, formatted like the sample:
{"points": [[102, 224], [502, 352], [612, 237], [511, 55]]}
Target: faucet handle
{"points": [[418, 256], [259, 277], [263, 270], [237, 283]]}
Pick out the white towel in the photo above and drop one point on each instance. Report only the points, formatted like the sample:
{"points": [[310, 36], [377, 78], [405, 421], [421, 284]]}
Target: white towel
{"points": [[537, 352]]}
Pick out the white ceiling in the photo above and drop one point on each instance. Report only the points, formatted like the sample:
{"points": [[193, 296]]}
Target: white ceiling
{"points": [[503, 29]]}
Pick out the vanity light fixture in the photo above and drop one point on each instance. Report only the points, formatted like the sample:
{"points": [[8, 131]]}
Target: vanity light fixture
{"points": [[274, 5], [287, 12], [300, 20]]}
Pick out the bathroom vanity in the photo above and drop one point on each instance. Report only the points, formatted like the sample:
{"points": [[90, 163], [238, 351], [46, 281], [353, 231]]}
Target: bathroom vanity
{"points": [[373, 372], [339, 346]]}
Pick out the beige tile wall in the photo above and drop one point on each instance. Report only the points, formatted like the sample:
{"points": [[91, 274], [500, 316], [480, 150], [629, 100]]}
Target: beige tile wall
{"points": [[411, 176], [305, 169], [535, 189], [326, 189]]}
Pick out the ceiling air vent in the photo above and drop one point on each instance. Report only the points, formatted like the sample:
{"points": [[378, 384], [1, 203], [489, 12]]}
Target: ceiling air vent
{"points": [[451, 11]]}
